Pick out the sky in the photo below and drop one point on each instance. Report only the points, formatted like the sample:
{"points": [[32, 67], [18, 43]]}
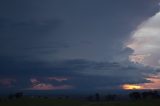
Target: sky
{"points": [[79, 45]]}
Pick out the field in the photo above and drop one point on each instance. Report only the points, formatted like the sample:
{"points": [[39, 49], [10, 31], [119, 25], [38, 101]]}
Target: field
{"points": [[57, 102]]}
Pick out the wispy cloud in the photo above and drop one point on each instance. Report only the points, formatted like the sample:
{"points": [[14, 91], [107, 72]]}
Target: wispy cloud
{"points": [[59, 79], [44, 84], [7, 82], [47, 86]]}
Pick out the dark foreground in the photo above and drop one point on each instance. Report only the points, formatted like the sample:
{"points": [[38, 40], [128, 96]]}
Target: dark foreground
{"points": [[57, 102]]}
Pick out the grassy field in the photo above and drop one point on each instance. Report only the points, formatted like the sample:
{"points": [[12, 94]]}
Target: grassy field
{"points": [[55, 102]]}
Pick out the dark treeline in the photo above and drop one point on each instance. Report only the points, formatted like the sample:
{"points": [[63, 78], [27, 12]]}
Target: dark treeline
{"points": [[15, 96], [96, 97], [153, 94], [144, 95]]}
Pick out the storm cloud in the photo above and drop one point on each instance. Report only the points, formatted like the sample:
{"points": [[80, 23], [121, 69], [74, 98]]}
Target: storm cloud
{"points": [[73, 44]]}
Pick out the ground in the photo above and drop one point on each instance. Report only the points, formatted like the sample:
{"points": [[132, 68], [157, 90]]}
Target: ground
{"points": [[56, 102]]}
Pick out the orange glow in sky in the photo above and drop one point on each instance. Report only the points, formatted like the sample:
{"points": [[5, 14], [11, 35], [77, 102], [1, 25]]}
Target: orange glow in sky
{"points": [[154, 84], [131, 87]]}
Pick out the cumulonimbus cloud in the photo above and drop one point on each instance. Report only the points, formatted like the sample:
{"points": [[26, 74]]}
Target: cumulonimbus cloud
{"points": [[145, 41]]}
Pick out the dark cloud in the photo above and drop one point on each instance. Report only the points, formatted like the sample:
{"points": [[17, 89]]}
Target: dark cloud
{"points": [[48, 24], [80, 74], [29, 26], [82, 40], [27, 38]]}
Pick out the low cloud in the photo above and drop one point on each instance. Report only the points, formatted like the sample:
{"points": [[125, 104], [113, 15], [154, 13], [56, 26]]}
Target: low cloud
{"points": [[79, 73]]}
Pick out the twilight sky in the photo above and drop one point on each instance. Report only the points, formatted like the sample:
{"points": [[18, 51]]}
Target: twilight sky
{"points": [[79, 45]]}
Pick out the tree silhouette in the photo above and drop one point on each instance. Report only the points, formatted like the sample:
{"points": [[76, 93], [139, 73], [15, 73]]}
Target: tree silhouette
{"points": [[97, 97], [90, 98], [150, 95], [18, 94], [110, 97], [66, 97], [10, 96], [135, 95]]}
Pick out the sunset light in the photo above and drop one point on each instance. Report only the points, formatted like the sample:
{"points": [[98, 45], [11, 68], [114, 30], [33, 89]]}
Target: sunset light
{"points": [[131, 87]]}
